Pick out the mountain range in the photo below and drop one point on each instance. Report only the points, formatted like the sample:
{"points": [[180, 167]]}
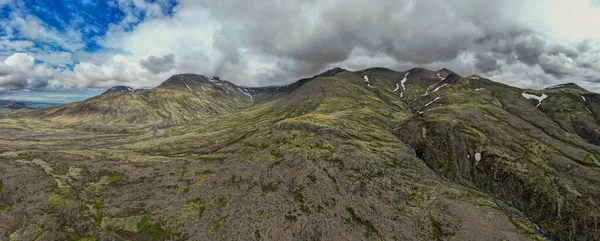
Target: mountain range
{"points": [[374, 154]]}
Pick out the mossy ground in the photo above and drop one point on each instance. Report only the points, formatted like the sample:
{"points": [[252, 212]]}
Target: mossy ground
{"points": [[331, 159]]}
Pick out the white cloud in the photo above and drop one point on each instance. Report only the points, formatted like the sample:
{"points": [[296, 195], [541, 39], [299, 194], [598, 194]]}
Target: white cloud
{"points": [[20, 70], [20, 61], [571, 20], [32, 28], [258, 43], [117, 71], [7, 45], [54, 58]]}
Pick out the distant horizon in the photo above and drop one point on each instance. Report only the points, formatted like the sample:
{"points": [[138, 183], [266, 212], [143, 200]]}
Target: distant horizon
{"points": [[29, 88], [56, 96], [47, 97]]}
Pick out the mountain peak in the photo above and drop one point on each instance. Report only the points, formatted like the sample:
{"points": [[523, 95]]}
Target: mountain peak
{"points": [[452, 78], [445, 72], [566, 86], [187, 79], [119, 89], [331, 72], [122, 89], [419, 69]]}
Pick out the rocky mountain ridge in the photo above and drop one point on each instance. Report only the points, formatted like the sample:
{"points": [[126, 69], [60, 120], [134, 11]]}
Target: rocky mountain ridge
{"points": [[374, 154]]}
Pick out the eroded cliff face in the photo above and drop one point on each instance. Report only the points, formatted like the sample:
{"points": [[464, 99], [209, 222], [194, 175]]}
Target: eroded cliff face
{"points": [[536, 157]]}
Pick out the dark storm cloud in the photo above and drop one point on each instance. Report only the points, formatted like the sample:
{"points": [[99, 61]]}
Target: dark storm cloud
{"points": [[159, 64], [13, 81], [529, 49], [593, 80], [486, 62], [569, 51], [257, 42], [39, 83], [557, 65], [225, 41], [306, 36]]}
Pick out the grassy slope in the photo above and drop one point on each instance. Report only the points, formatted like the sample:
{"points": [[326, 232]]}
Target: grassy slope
{"points": [[319, 163], [547, 171], [173, 103]]}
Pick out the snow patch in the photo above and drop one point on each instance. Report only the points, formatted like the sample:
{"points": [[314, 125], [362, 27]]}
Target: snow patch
{"points": [[478, 89], [367, 81], [473, 77], [245, 91], [583, 98], [402, 83], [439, 87], [439, 76], [431, 102], [203, 88], [428, 88], [397, 87], [477, 156], [538, 98], [186, 85]]}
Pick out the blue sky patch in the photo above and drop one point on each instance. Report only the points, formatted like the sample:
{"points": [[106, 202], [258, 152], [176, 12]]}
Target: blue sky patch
{"points": [[89, 18]]}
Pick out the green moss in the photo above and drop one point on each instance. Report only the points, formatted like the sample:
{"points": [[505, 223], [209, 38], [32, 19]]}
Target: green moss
{"points": [[223, 200], [257, 235], [234, 180], [113, 177], [216, 229], [297, 193], [259, 213], [525, 228], [156, 231], [61, 169], [143, 223], [198, 206], [55, 200], [436, 228], [269, 186], [595, 182], [591, 160], [370, 232], [291, 218]]}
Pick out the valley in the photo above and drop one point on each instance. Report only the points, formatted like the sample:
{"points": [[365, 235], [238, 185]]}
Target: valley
{"points": [[374, 154]]}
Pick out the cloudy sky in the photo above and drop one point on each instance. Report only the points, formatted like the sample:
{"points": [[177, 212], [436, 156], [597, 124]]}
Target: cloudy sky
{"points": [[89, 43]]}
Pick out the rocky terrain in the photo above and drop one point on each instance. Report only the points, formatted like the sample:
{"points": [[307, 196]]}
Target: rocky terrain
{"points": [[374, 154], [123, 89]]}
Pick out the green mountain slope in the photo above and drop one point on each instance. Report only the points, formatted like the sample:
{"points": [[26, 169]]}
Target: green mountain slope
{"points": [[367, 155], [179, 99]]}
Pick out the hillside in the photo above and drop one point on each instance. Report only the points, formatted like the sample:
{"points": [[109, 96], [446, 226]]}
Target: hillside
{"points": [[374, 154]]}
